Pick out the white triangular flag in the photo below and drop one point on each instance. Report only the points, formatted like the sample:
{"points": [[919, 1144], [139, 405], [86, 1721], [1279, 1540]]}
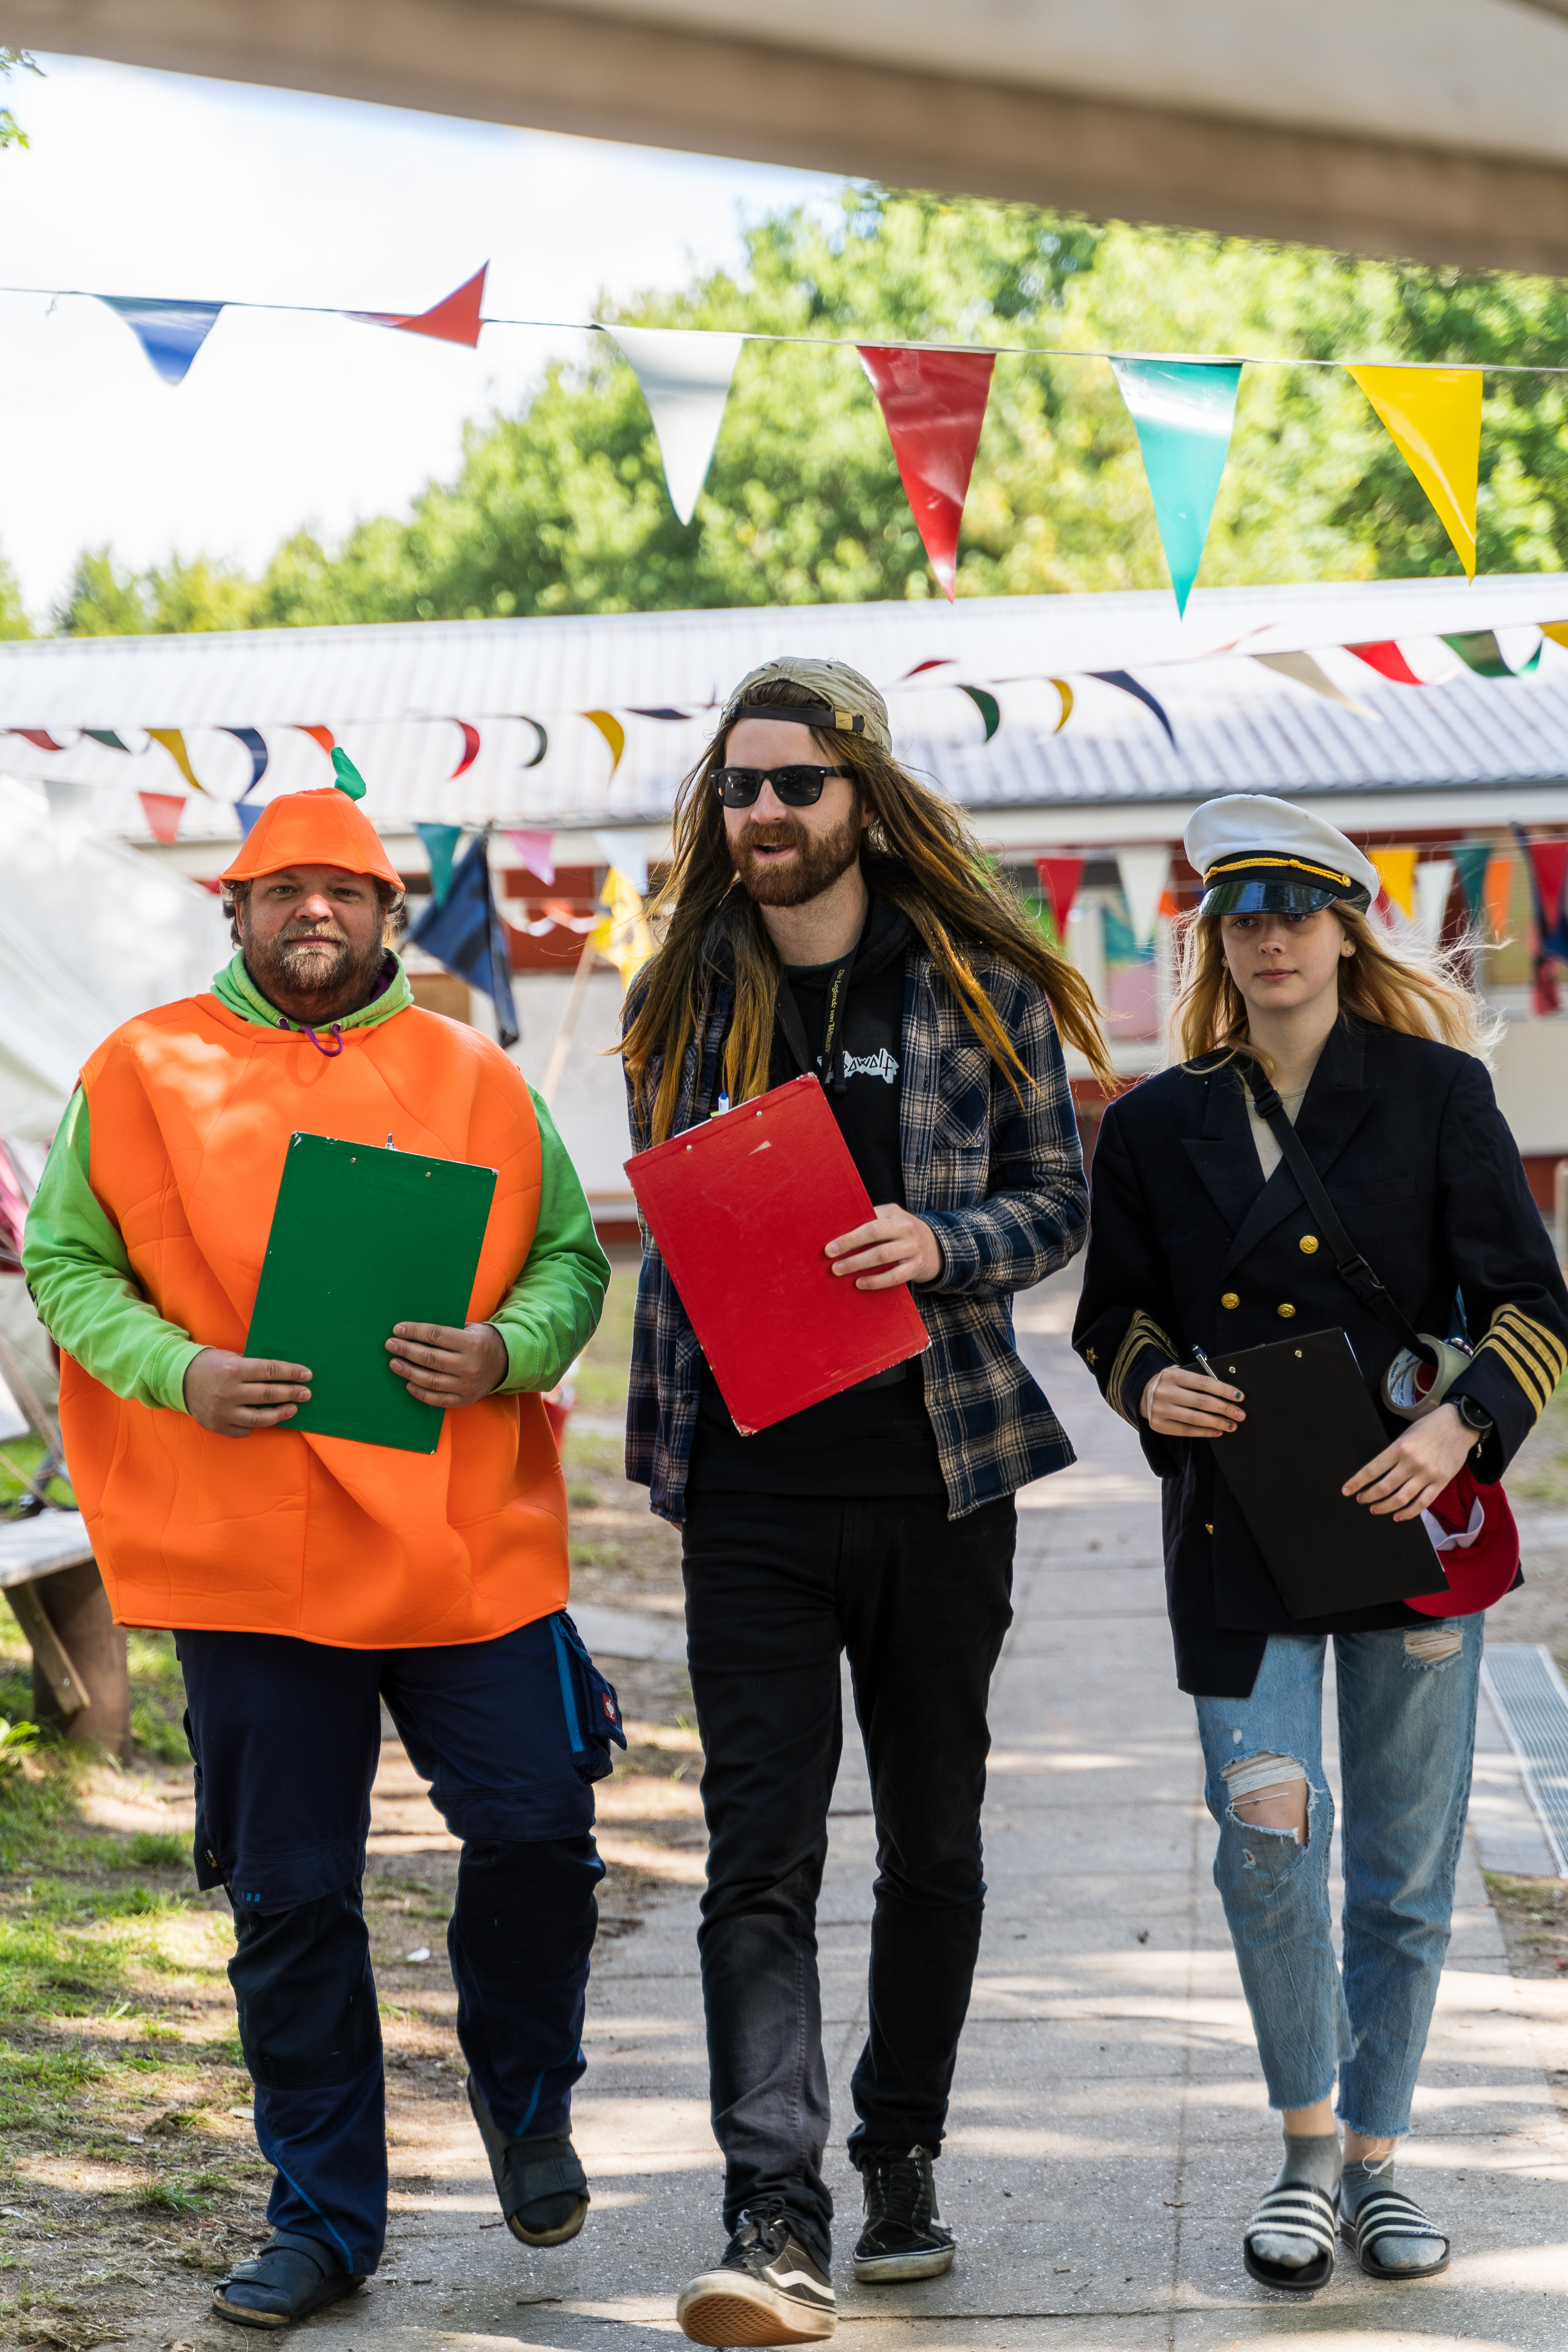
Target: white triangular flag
{"points": [[685, 377], [1434, 882], [625, 853], [1309, 673], [1144, 874], [69, 808]]}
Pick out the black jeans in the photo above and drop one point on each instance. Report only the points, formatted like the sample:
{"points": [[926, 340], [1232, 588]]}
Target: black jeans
{"points": [[776, 1586]]}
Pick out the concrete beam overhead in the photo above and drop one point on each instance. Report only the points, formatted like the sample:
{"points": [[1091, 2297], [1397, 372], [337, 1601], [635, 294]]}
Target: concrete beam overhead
{"points": [[1432, 169]]}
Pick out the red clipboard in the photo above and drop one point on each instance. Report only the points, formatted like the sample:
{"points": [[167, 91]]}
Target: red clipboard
{"points": [[742, 1209]]}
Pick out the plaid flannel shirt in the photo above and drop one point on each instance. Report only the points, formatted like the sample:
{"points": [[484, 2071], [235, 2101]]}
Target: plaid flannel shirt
{"points": [[1001, 1184]]}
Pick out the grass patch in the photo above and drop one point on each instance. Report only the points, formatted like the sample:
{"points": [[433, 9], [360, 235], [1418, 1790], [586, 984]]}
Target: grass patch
{"points": [[21, 1458], [1540, 1472]]}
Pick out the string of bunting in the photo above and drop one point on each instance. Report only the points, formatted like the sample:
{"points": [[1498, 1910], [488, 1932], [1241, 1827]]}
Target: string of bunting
{"points": [[934, 399]]}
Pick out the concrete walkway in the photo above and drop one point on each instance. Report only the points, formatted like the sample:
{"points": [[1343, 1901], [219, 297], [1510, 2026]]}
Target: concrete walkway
{"points": [[1109, 2131]]}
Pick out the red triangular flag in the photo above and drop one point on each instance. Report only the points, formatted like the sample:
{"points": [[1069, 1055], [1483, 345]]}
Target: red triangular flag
{"points": [[934, 405], [1059, 878], [163, 811], [1549, 862], [1385, 658], [454, 320], [470, 748]]}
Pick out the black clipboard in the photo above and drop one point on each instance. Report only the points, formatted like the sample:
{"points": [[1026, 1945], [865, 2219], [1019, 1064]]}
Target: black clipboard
{"points": [[1310, 1424]]}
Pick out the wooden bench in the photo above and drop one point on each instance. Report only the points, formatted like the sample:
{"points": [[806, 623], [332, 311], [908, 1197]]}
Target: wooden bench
{"points": [[30, 1550]]}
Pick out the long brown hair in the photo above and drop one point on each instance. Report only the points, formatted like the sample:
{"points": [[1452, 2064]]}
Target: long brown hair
{"points": [[919, 854], [1422, 992]]}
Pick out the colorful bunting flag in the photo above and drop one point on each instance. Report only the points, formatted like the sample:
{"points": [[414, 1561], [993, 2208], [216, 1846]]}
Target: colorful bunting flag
{"points": [[247, 812], [455, 319], [623, 938], [1184, 410], [663, 711], [1059, 878], [943, 661], [173, 742], [1434, 885], [1396, 872], [465, 933], [470, 736], [625, 855], [614, 734], [109, 738], [1144, 872], [1479, 650], [537, 851], [163, 811], [1385, 658], [255, 744], [1434, 417], [1312, 675], [1556, 630], [685, 377], [990, 710], [170, 333], [1548, 865], [322, 735], [934, 405], [441, 847], [541, 746], [1499, 893], [1065, 690], [37, 736], [1129, 685], [1471, 861], [68, 808]]}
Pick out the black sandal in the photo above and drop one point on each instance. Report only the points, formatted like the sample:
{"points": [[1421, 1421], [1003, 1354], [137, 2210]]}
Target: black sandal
{"points": [[1306, 2212], [541, 2185], [290, 2277], [1389, 2214]]}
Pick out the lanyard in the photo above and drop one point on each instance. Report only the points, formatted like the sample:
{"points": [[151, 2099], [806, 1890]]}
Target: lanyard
{"points": [[831, 1058]]}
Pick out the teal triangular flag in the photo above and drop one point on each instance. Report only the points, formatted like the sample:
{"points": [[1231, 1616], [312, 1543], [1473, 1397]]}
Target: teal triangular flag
{"points": [[1471, 859], [1479, 650], [441, 847], [1184, 410]]}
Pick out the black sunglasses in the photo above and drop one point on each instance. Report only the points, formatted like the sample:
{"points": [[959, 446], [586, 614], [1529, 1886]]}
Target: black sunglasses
{"points": [[796, 787]]}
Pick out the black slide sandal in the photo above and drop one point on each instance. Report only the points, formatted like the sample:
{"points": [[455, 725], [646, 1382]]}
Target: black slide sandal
{"points": [[1388, 2213], [1306, 2212]]}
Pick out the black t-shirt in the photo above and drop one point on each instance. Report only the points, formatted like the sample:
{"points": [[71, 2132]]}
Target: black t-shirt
{"points": [[875, 1438]]}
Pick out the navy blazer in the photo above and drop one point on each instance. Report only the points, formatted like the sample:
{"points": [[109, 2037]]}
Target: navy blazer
{"points": [[1189, 1247]]}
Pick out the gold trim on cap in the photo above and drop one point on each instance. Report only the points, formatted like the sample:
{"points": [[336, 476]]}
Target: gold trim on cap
{"points": [[1297, 864]]}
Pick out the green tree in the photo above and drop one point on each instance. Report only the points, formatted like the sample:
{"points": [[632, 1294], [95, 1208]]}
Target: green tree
{"points": [[14, 61], [562, 508]]}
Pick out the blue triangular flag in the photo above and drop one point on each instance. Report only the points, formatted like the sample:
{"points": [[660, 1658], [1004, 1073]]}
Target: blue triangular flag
{"points": [[465, 933], [247, 812], [170, 333], [1129, 685], [255, 744], [1184, 410], [440, 848]]}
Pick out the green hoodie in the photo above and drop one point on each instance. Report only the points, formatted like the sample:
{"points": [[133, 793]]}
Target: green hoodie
{"points": [[91, 1305]]}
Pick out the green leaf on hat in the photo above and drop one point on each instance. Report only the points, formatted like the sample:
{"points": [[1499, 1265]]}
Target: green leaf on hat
{"points": [[349, 781]]}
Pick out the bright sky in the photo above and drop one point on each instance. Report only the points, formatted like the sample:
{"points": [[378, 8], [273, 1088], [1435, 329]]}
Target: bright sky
{"points": [[161, 185]]}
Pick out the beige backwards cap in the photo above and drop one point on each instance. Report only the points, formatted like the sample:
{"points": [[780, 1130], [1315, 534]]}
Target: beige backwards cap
{"points": [[849, 704]]}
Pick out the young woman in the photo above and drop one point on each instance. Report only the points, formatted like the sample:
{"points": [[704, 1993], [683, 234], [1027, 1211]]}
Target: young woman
{"points": [[1200, 1241]]}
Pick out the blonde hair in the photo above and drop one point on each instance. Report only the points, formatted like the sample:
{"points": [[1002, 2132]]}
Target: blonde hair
{"points": [[1422, 991], [920, 853]]}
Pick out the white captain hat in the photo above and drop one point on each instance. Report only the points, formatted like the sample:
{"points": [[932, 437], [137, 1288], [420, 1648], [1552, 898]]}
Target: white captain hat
{"points": [[1262, 857]]}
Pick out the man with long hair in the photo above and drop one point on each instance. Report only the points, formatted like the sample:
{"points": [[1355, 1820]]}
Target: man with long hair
{"points": [[828, 914]]}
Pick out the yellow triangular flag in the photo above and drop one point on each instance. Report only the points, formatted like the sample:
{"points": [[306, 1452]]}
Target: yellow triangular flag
{"points": [[173, 742], [614, 734], [1433, 415], [623, 938], [1396, 872], [1556, 630]]}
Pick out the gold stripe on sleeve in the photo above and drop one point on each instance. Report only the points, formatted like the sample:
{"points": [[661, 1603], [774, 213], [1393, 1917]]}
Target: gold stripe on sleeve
{"points": [[1541, 1342], [1142, 1332], [1524, 1371]]}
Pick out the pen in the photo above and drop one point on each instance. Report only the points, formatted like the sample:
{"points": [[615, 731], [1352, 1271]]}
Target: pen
{"points": [[1204, 1360]]}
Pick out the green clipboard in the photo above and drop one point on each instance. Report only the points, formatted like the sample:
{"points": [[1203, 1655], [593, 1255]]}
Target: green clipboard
{"points": [[363, 1238]]}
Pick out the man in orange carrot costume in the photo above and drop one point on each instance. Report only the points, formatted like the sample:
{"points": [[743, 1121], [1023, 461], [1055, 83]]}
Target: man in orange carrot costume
{"points": [[309, 1578]]}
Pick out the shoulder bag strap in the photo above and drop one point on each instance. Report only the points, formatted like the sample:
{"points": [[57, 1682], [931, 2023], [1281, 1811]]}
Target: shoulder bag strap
{"points": [[1354, 1269]]}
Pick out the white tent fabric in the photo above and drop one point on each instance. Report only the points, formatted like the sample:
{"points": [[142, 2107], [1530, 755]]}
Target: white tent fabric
{"points": [[90, 933]]}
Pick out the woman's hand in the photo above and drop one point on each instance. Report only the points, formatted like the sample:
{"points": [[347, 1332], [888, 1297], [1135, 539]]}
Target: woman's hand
{"points": [[1179, 1403], [446, 1366], [903, 1247], [1407, 1477]]}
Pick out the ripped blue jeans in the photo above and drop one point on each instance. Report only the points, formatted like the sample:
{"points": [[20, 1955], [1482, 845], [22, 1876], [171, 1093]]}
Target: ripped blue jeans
{"points": [[1407, 1728]]}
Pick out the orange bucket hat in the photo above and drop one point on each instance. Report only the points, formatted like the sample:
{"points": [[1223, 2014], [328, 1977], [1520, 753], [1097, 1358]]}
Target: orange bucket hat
{"points": [[320, 828]]}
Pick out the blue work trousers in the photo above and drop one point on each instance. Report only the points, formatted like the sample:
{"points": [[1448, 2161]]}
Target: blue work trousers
{"points": [[286, 1736], [1407, 1728]]}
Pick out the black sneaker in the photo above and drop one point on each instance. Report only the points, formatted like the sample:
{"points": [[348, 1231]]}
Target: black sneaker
{"points": [[767, 2290], [903, 2238], [291, 2277]]}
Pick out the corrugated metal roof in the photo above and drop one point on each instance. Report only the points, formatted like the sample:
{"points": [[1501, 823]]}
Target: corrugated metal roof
{"points": [[390, 693]]}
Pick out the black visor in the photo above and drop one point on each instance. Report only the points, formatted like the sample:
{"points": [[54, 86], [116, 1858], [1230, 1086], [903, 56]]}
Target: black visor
{"points": [[1267, 899], [1261, 882]]}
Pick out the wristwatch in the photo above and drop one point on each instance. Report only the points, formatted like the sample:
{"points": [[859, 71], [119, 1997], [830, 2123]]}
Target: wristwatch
{"points": [[1476, 1417]]}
